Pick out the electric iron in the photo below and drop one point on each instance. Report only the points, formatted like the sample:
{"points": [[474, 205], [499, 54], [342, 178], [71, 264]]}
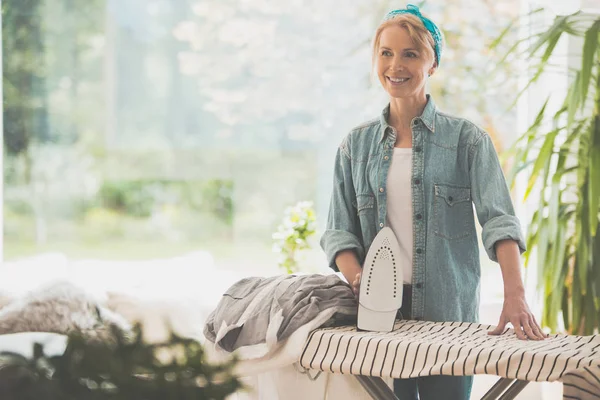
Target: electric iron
{"points": [[381, 283]]}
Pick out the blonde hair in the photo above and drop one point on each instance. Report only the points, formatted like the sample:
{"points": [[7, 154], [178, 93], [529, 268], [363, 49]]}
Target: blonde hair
{"points": [[416, 31]]}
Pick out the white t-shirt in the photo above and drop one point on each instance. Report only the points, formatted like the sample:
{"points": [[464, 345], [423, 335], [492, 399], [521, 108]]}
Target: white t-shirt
{"points": [[399, 206]]}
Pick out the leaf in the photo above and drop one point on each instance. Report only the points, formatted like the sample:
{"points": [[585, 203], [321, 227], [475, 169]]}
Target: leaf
{"points": [[565, 233], [540, 116], [553, 206], [529, 135], [532, 237], [590, 313], [565, 150], [516, 170], [543, 160], [594, 190], [559, 257], [561, 245], [590, 47], [565, 308], [509, 27], [582, 230], [595, 272], [510, 51], [550, 39], [505, 31], [555, 300], [573, 100], [542, 253], [576, 301], [548, 36], [594, 168]]}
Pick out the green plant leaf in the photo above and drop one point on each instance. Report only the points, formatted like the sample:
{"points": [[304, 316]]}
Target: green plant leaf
{"points": [[594, 189], [560, 257], [549, 39], [566, 312], [590, 313], [512, 49], [553, 206], [542, 161], [543, 244], [565, 150], [582, 248], [595, 272], [556, 30], [555, 299], [510, 26], [573, 100], [564, 233], [590, 47], [576, 301], [532, 238], [529, 136], [594, 166], [504, 32]]}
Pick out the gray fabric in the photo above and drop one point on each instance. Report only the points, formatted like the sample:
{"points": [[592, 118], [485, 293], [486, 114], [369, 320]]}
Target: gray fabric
{"points": [[250, 307]]}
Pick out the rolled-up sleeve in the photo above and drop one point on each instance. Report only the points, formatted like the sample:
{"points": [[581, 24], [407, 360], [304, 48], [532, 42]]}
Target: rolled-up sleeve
{"points": [[343, 227], [491, 196]]}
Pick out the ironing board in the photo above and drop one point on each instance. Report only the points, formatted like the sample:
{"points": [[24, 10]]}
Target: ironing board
{"points": [[421, 348]]}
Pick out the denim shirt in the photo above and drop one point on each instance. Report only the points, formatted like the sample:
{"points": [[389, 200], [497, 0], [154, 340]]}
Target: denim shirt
{"points": [[454, 167]]}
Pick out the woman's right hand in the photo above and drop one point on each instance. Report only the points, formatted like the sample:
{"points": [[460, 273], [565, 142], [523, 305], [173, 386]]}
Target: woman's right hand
{"points": [[348, 264], [356, 285]]}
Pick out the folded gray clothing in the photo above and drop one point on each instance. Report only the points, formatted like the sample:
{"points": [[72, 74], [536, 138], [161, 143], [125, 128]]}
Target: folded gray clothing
{"points": [[259, 310]]}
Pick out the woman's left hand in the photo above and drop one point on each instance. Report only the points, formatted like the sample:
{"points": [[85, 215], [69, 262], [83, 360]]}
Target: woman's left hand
{"points": [[517, 312]]}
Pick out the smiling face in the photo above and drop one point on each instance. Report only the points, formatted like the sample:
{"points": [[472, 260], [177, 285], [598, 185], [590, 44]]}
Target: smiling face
{"points": [[402, 67], [404, 57]]}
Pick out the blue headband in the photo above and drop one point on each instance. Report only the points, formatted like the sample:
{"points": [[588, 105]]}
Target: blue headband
{"points": [[429, 25]]}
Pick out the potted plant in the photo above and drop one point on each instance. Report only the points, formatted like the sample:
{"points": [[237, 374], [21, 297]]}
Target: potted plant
{"points": [[560, 156], [128, 370]]}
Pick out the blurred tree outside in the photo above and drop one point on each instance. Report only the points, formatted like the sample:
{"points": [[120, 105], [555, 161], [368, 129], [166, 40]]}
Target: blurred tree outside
{"points": [[25, 105], [47, 103]]}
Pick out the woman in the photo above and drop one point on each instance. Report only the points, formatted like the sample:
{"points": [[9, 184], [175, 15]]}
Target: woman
{"points": [[419, 171]]}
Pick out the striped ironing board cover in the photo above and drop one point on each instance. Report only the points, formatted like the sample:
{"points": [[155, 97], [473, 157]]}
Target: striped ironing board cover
{"points": [[421, 348]]}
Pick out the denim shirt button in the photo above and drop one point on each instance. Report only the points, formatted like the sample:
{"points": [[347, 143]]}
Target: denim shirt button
{"points": [[419, 285], [386, 158], [381, 190], [381, 225], [418, 149], [417, 181], [419, 250], [419, 216]]}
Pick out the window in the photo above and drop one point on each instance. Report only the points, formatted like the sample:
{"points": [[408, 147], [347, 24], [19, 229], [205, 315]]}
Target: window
{"points": [[149, 129]]}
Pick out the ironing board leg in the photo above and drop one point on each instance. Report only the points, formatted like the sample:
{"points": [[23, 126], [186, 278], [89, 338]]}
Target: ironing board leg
{"points": [[505, 389], [514, 390], [376, 387], [498, 388]]}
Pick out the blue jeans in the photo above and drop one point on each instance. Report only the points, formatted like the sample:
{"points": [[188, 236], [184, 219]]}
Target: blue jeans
{"points": [[430, 387], [434, 388]]}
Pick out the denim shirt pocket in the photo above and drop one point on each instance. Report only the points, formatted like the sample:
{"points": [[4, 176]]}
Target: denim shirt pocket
{"points": [[451, 211]]}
